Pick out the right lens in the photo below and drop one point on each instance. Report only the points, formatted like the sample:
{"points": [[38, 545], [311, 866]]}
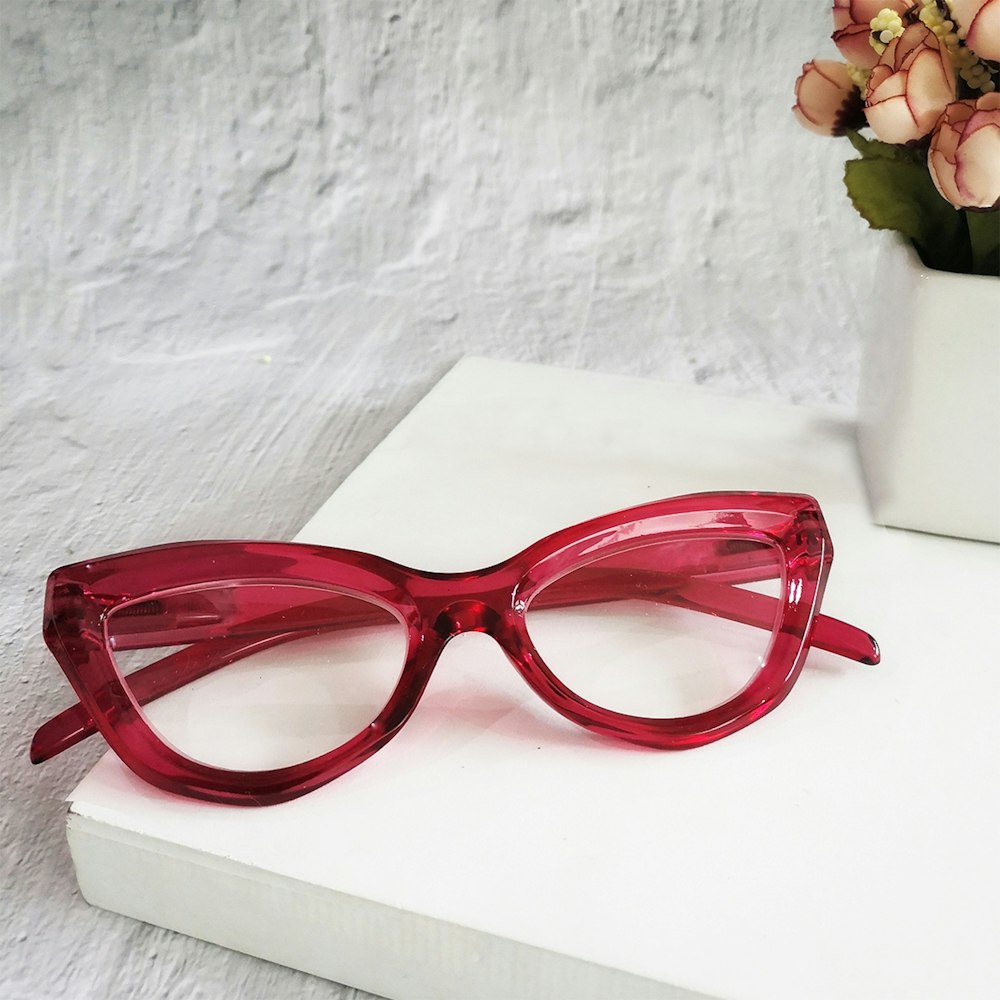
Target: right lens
{"points": [[664, 630], [258, 676]]}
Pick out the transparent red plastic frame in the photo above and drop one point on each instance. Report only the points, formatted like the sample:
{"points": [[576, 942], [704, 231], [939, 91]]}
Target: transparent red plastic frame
{"points": [[433, 608]]}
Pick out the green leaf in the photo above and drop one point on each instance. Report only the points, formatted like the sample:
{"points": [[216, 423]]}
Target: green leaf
{"points": [[984, 235], [875, 149], [900, 195]]}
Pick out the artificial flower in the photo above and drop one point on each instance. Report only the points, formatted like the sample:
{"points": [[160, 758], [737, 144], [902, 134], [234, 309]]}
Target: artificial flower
{"points": [[932, 172], [852, 27], [979, 25], [964, 157], [910, 86], [826, 101]]}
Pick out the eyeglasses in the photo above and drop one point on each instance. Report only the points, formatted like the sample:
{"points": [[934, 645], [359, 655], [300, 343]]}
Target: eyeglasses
{"points": [[253, 672]]}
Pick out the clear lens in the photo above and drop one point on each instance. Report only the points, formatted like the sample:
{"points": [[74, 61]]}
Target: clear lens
{"points": [[664, 630], [253, 676]]}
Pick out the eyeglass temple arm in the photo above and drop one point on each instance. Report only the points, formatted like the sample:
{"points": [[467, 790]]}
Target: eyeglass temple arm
{"points": [[168, 674], [751, 608], [703, 594], [696, 593], [209, 651]]}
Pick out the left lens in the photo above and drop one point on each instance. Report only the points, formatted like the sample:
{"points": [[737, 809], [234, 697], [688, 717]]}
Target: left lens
{"points": [[665, 630]]}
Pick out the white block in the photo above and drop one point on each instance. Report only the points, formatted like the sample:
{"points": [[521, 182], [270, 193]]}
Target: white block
{"points": [[843, 846], [929, 430]]}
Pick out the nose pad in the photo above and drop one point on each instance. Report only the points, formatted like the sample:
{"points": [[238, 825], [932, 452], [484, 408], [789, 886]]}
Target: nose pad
{"points": [[466, 616]]}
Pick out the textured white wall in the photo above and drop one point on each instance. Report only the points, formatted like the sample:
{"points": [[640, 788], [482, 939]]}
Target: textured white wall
{"points": [[360, 192]]}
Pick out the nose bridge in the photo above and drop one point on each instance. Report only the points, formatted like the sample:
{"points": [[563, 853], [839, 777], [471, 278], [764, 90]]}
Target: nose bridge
{"points": [[466, 615], [468, 602]]}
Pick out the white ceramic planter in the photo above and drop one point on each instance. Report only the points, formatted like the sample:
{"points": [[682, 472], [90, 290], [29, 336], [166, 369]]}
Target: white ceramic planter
{"points": [[929, 406]]}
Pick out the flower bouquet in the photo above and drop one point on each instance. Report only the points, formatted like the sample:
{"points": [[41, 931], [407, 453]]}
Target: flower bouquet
{"points": [[923, 77]]}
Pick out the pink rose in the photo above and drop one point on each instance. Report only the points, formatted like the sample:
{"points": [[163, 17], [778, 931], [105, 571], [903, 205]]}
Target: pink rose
{"points": [[826, 101], [913, 82], [852, 27], [979, 24], [964, 157]]}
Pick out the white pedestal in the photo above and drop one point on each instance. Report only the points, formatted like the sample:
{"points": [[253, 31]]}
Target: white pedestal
{"points": [[843, 846], [929, 429]]}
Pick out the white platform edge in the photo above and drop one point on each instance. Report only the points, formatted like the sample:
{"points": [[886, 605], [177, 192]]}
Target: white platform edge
{"points": [[375, 947]]}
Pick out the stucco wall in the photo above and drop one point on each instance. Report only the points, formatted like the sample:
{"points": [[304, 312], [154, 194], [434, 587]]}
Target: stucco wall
{"points": [[239, 240]]}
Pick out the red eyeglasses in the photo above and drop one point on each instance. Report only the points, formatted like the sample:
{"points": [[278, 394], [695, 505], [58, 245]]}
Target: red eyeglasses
{"points": [[253, 672]]}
